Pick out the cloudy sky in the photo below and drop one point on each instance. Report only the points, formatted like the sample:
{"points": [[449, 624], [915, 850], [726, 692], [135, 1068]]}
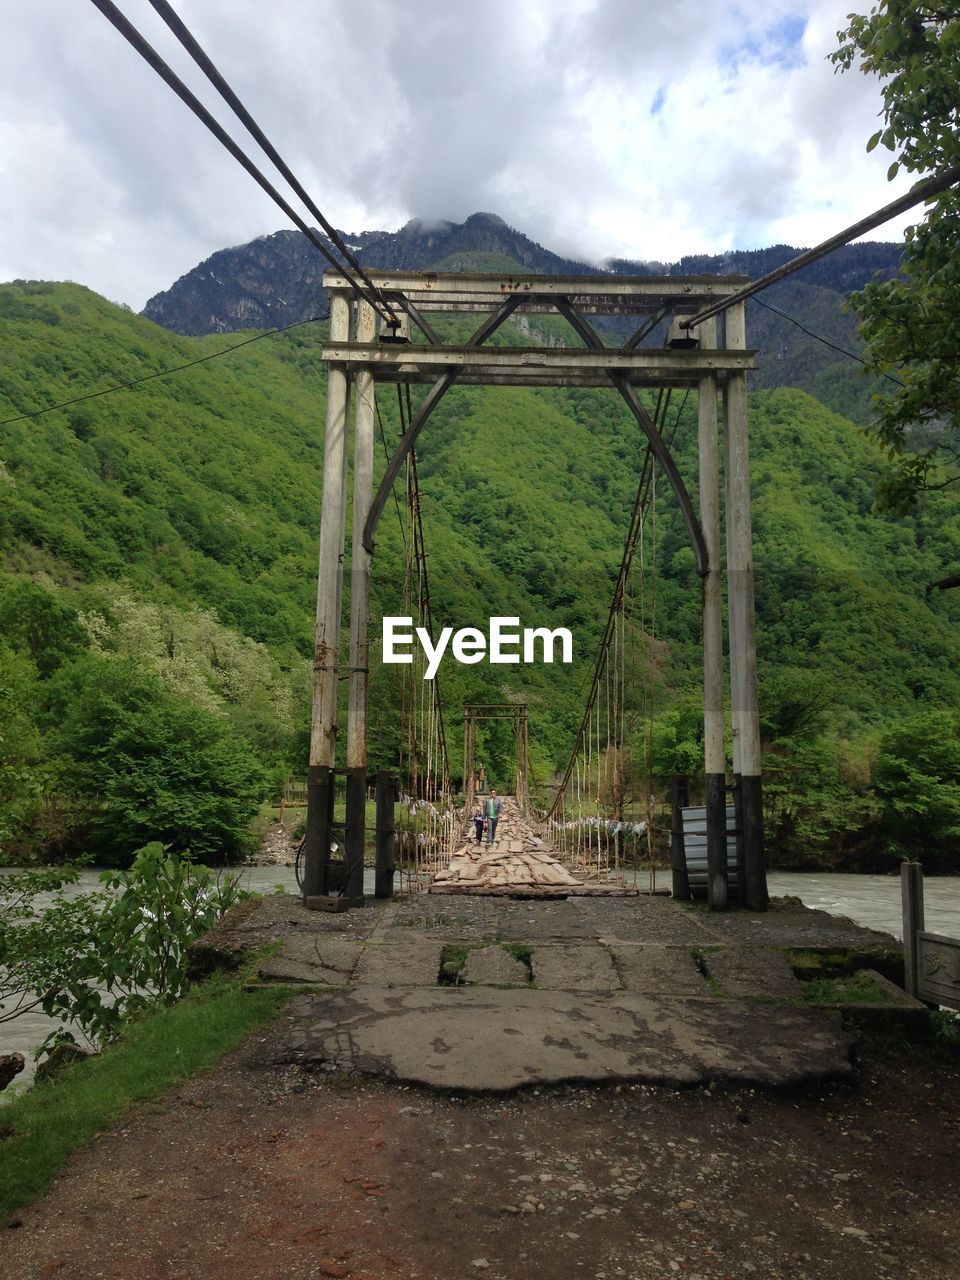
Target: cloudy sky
{"points": [[599, 127]]}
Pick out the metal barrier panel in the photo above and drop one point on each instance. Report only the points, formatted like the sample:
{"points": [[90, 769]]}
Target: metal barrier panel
{"points": [[695, 847]]}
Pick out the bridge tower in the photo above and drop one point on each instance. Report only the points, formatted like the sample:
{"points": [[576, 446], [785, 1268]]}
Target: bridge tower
{"points": [[712, 359]]}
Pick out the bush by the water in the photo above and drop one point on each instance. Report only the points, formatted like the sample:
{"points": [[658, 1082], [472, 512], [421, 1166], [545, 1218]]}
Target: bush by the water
{"points": [[94, 960]]}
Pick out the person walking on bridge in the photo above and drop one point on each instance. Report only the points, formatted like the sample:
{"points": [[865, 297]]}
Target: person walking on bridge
{"points": [[493, 806]]}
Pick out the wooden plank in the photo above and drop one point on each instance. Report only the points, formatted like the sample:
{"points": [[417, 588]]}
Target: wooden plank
{"points": [[911, 896], [535, 891]]}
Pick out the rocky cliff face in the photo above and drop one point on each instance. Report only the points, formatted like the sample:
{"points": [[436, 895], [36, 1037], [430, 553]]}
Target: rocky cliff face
{"points": [[276, 280]]}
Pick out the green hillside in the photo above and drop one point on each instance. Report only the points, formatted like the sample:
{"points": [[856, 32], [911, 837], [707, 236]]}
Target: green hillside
{"points": [[159, 551]]}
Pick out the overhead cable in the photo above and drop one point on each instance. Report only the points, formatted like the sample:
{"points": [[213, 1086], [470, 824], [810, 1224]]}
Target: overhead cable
{"points": [[386, 454], [423, 581], [148, 377], [192, 46], [819, 337], [637, 517], [150, 55], [920, 191]]}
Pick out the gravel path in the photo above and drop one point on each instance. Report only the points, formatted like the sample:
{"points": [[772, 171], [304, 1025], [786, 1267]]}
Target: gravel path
{"points": [[265, 1172]]}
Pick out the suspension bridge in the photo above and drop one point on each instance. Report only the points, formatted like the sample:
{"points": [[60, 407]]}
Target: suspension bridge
{"points": [[373, 316], [578, 840]]}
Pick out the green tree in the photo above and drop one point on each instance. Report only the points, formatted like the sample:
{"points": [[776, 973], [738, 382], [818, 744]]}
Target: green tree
{"points": [[911, 325], [677, 740], [148, 766], [23, 773], [817, 810], [917, 779], [36, 622]]}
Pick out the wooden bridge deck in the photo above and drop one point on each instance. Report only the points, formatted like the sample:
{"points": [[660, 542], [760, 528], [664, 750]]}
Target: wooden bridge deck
{"points": [[519, 862]]}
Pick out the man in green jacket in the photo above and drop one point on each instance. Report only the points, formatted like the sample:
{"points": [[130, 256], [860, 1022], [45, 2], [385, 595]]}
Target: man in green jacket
{"points": [[493, 807]]}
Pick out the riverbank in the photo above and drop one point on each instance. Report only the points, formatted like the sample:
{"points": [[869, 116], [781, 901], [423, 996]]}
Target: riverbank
{"points": [[39, 1129]]}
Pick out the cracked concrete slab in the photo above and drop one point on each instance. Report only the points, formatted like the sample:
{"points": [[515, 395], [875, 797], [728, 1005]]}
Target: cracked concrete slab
{"points": [[494, 966], [312, 959], [484, 1039], [415, 962], [669, 971], [574, 967], [760, 972]]}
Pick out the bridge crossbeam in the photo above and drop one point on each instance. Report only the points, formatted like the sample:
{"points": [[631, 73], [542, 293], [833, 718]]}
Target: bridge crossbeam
{"points": [[533, 366], [591, 295]]}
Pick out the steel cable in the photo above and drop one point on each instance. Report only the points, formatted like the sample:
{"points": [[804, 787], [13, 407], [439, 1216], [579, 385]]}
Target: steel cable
{"points": [[166, 73], [192, 46]]}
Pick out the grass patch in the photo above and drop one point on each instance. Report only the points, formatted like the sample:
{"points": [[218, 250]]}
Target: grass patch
{"points": [[42, 1127], [938, 1040], [520, 951], [452, 960], [946, 1030], [249, 970], [855, 988], [701, 960], [816, 962], [819, 963]]}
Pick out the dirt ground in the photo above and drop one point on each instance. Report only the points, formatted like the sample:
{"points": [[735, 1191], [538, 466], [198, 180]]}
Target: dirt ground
{"points": [[258, 1170]]}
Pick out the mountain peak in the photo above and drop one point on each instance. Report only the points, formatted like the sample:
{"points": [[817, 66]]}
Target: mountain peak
{"points": [[425, 227], [277, 280], [492, 220]]}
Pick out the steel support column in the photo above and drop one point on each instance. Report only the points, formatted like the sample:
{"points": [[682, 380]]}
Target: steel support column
{"points": [[386, 834], [358, 679]]}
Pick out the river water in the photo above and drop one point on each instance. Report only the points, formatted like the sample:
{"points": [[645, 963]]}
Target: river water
{"points": [[872, 901]]}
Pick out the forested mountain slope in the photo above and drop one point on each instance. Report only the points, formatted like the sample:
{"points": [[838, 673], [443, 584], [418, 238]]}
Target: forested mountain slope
{"points": [[174, 527]]}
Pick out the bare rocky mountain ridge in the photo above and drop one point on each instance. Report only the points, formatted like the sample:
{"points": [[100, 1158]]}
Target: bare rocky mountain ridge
{"points": [[276, 280]]}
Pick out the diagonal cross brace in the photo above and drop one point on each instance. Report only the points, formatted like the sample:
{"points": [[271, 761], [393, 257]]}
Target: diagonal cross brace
{"points": [[654, 438], [432, 399]]}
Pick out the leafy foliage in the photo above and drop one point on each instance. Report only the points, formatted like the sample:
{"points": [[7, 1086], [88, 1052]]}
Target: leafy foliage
{"points": [[40, 947], [818, 806], [918, 781], [149, 766], [138, 937], [912, 324], [23, 771], [96, 959]]}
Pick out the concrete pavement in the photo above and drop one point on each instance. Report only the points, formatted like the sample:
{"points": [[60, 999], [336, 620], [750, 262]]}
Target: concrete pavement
{"points": [[481, 994]]}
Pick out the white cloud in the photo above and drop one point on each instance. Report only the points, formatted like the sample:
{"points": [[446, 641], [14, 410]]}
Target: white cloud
{"points": [[599, 127]]}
